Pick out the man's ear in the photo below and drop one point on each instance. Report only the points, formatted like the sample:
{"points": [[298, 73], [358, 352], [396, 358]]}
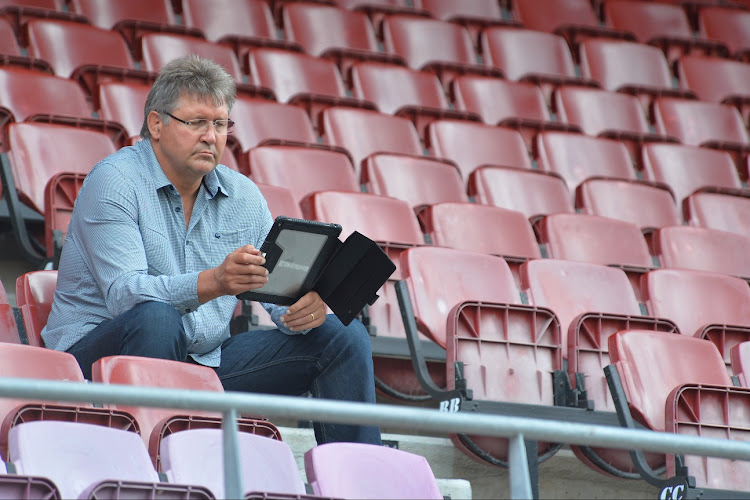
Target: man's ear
{"points": [[155, 124]]}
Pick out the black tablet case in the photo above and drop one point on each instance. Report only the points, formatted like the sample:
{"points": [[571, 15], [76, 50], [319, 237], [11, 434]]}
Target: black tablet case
{"points": [[346, 275]]}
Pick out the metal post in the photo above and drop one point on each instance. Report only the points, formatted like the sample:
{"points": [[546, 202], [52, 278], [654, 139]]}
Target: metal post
{"points": [[232, 469], [520, 483]]}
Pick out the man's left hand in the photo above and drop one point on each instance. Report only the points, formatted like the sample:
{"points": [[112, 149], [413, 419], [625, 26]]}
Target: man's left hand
{"points": [[308, 312]]}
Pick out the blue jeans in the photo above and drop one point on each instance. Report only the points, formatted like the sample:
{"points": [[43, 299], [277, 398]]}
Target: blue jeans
{"points": [[332, 361]]}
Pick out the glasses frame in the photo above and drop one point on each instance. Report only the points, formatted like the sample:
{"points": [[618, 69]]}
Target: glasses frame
{"points": [[191, 123]]}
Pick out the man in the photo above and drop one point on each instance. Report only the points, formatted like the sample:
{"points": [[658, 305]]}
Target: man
{"points": [[163, 237]]}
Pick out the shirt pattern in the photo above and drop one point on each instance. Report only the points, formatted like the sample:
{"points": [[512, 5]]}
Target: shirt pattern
{"points": [[127, 243]]}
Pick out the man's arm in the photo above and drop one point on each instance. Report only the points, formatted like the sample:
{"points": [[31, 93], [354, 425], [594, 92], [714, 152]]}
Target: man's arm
{"points": [[241, 271]]}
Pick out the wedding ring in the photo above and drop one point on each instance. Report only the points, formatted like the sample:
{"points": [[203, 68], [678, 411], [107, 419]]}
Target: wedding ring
{"points": [[313, 316]]}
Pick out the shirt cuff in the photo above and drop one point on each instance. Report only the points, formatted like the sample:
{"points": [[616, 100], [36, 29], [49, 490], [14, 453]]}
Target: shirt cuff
{"points": [[184, 289]]}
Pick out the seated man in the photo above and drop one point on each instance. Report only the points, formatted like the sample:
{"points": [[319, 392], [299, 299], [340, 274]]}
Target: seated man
{"points": [[161, 240]]}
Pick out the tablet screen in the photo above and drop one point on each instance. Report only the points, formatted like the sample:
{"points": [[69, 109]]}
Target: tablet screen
{"points": [[301, 251]]}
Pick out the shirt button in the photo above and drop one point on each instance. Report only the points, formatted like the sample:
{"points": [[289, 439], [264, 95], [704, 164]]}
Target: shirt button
{"points": [[178, 209], [217, 235], [187, 310]]}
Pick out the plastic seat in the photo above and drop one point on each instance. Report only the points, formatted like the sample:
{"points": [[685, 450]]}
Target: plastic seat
{"points": [[419, 180], [686, 169], [577, 157], [123, 102], [702, 249], [472, 145], [355, 470], [158, 423], [706, 124], [403, 91], [740, 358], [280, 200], [727, 25], [302, 169], [532, 192], [717, 80], [8, 330], [35, 291], [364, 132], [26, 487], [722, 211], [59, 199], [592, 302], [660, 24], [395, 229]]}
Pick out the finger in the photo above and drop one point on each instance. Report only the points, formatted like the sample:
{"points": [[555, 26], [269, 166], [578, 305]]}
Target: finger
{"points": [[306, 301], [311, 320]]}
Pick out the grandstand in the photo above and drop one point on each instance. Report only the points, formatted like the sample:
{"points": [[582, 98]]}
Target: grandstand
{"points": [[562, 185]]}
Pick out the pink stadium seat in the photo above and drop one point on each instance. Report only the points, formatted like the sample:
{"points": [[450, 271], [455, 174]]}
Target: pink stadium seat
{"points": [[727, 25], [123, 102], [59, 198], [302, 169], [476, 16], [354, 470], [686, 169], [717, 80], [648, 206], [577, 157], [740, 358], [280, 200], [8, 330], [532, 192], [419, 180], [719, 210], [404, 91], [364, 132], [34, 293], [703, 249], [472, 145]]}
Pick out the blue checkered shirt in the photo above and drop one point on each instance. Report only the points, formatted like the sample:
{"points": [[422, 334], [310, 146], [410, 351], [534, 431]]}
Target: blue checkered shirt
{"points": [[127, 243]]}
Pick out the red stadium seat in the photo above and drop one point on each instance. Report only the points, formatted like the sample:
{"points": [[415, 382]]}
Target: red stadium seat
{"points": [[35, 291], [717, 80], [8, 330], [124, 102], [727, 25], [718, 210], [476, 16], [740, 356]]}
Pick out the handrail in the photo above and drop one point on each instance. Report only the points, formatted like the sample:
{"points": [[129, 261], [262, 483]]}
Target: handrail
{"points": [[272, 406]]}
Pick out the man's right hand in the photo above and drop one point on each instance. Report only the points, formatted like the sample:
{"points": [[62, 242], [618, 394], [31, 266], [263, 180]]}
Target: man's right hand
{"points": [[242, 270]]}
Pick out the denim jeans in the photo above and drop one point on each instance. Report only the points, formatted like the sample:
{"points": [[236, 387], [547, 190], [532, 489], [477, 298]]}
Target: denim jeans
{"points": [[331, 361]]}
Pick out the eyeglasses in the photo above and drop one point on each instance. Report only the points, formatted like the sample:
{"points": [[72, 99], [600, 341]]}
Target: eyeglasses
{"points": [[200, 125]]}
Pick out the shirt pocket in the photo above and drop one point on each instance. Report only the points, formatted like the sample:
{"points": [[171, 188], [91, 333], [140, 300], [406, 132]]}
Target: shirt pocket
{"points": [[225, 241]]}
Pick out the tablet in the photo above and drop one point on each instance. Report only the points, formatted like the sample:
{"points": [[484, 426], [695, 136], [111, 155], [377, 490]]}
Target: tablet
{"points": [[296, 252]]}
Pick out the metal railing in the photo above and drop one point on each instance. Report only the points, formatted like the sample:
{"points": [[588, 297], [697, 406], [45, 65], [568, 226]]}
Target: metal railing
{"points": [[230, 404]]}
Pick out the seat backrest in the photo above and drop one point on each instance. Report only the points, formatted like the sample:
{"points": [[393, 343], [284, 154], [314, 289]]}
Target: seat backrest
{"points": [[616, 64], [436, 285], [740, 356], [694, 122], [160, 48], [68, 45], [364, 132], [648, 20], [548, 15], [393, 87], [8, 329], [448, 10], [302, 169], [39, 150], [280, 200], [598, 110], [221, 18], [726, 24], [290, 73], [35, 292], [531, 192], [713, 78], [703, 249], [576, 157], [647, 378], [719, 211], [471, 145], [519, 53], [355, 470], [480, 228], [645, 205], [105, 14], [417, 179], [421, 40], [257, 120], [320, 27], [494, 99], [123, 102], [8, 41], [686, 169]]}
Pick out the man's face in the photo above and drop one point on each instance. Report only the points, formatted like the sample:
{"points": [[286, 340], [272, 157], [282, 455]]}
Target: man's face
{"points": [[184, 154]]}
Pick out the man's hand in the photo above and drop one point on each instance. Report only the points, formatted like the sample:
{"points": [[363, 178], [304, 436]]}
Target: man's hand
{"points": [[242, 270], [308, 312]]}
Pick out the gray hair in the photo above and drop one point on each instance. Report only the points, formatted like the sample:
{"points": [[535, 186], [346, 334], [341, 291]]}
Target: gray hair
{"points": [[188, 76]]}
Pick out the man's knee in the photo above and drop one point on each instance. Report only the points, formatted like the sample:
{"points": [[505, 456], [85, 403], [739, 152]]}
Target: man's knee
{"points": [[155, 329], [353, 336]]}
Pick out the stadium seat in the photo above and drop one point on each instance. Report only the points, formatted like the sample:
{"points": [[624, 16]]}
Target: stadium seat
{"points": [[13, 54], [647, 205], [663, 397], [660, 24], [608, 114], [727, 25], [158, 423], [364, 132], [591, 302], [26, 487], [577, 157], [60, 195], [705, 124], [395, 229], [703, 249], [532, 192], [8, 329], [441, 47], [19, 12], [476, 16], [472, 145], [35, 291], [123, 102], [718, 210], [507, 103], [715, 79], [356, 470], [419, 180], [302, 169], [703, 304], [115, 463], [403, 91], [740, 359], [687, 169], [280, 200]]}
